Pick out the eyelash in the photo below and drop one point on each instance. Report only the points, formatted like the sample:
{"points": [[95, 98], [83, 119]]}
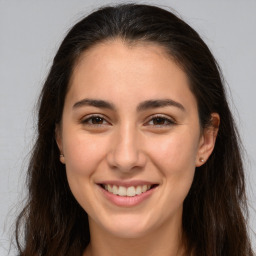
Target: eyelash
{"points": [[89, 120], [167, 121]]}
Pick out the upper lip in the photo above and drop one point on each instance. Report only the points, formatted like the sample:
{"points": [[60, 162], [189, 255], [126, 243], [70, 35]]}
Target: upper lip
{"points": [[127, 183]]}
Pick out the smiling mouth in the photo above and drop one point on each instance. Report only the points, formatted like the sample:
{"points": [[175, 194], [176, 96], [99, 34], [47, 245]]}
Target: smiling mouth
{"points": [[127, 191]]}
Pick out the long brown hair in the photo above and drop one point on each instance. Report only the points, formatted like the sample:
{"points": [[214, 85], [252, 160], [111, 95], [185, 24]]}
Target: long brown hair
{"points": [[53, 223]]}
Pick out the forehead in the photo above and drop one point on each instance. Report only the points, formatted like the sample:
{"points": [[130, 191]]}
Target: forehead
{"points": [[128, 53], [142, 70], [138, 57]]}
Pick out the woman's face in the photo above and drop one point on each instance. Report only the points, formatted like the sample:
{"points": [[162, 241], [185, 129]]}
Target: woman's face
{"points": [[131, 138]]}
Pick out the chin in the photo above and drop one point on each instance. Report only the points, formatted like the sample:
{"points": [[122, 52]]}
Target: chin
{"points": [[129, 233], [129, 228]]}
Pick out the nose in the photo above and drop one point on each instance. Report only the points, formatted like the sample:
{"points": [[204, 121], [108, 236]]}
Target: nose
{"points": [[126, 152]]}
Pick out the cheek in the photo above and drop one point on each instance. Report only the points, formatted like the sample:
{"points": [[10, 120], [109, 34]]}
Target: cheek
{"points": [[175, 153], [82, 154], [175, 158]]}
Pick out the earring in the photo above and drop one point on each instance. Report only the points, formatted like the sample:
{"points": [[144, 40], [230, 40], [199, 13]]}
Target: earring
{"points": [[62, 159], [201, 159]]}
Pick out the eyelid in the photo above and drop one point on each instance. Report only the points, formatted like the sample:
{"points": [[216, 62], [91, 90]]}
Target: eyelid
{"points": [[171, 121], [86, 118]]}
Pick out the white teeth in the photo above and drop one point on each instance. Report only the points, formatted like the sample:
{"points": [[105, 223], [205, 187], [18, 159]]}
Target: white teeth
{"points": [[115, 190], [130, 191], [109, 188], [138, 190], [122, 191], [144, 188]]}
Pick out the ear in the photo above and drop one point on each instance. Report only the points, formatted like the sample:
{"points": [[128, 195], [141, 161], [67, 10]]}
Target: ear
{"points": [[208, 139], [58, 138]]}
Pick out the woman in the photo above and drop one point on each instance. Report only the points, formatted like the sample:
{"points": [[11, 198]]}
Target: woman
{"points": [[137, 152]]}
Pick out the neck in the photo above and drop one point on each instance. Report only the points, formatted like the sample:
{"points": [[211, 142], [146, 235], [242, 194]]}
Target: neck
{"points": [[165, 241]]}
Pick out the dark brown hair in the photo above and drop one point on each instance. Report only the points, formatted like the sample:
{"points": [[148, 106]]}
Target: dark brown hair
{"points": [[53, 223]]}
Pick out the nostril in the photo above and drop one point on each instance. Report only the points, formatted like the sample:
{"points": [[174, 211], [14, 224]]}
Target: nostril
{"points": [[126, 161]]}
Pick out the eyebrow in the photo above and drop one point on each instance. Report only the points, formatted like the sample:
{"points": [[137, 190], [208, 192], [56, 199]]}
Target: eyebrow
{"points": [[145, 105], [94, 103], [159, 104]]}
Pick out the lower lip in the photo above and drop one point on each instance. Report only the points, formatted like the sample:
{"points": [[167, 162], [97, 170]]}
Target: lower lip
{"points": [[127, 201]]}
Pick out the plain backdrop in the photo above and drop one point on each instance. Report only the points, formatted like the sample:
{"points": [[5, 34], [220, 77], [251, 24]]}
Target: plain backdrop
{"points": [[30, 33]]}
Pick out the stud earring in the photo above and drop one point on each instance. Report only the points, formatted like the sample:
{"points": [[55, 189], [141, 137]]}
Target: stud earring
{"points": [[201, 159], [62, 158]]}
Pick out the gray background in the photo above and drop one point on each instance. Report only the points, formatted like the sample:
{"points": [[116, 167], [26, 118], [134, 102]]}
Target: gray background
{"points": [[30, 32]]}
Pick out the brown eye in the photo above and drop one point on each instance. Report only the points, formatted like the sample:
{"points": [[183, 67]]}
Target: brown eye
{"points": [[95, 120], [159, 121]]}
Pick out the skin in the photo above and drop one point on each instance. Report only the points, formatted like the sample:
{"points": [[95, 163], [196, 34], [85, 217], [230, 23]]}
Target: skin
{"points": [[126, 144]]}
